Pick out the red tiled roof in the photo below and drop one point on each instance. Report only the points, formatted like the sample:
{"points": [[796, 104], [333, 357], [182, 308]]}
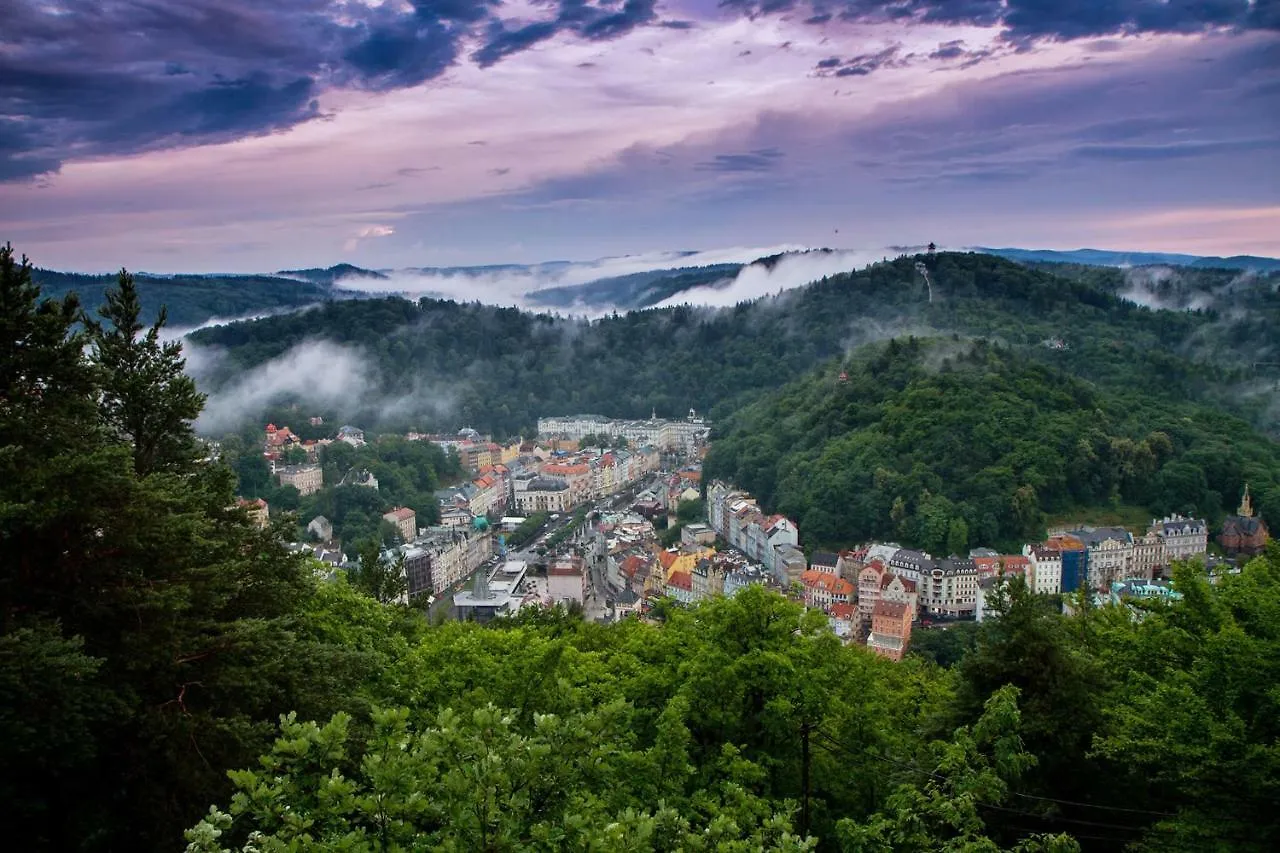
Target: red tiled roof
{"points": [[680, 580], [833, 584], [841, 610], [400, 513], [892, 609]]}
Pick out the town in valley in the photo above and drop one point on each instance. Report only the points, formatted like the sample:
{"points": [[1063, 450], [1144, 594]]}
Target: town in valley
{"points": [[612, 519]]}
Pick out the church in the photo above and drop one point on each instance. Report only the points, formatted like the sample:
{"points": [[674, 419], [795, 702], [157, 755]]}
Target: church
{"points": [[1244, 533]]}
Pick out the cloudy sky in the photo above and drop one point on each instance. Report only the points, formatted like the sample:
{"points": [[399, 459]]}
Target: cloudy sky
{"points": [[240, 135]]}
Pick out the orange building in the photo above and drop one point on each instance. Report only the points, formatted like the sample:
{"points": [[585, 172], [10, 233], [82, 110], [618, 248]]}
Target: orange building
{"points": [[890, 629]]}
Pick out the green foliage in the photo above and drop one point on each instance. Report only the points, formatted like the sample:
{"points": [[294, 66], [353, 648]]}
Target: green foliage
{"points": [[146, 397], [1194, 712], [382, 580], [145, 625], [476, 781], [527, 529], [944, 646], [970, 771], [950, 445], [408, 474], [191, 299]]}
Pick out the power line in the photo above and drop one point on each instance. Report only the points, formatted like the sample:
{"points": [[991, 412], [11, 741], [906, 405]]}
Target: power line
{"points": [[1059, 801], [831, 742]]}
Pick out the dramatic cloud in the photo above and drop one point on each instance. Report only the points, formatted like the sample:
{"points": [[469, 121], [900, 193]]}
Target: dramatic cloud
{"points": [[87, 79], [228, 135], [1036, 19]]}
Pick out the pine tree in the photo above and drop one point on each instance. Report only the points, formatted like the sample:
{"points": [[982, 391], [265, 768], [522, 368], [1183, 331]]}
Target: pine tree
{"points": [[146, 397]]}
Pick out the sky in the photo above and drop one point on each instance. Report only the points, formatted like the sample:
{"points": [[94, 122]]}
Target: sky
{"points": [[241, 135]]}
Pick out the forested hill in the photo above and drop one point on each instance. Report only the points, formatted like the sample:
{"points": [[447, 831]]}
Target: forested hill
{"points": [[948, 445], [498, 369], [192, 299]]}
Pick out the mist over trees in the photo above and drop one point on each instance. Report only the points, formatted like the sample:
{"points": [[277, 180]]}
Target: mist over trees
{"points": [[443, 364]]}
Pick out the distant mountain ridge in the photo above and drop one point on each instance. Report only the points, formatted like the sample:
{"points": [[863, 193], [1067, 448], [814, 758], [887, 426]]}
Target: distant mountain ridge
{"points": [[195, 299], [1108, 258]]}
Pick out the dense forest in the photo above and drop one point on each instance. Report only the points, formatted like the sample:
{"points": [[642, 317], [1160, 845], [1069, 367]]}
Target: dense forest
{"points": [[193, 299], [169, 672], [499, 369], [948, 444]]}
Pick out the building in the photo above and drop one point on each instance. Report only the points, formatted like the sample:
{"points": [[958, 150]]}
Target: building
{"points": [[789, 564], [682, 435], [679, 586], [360, 477], [567, 581], [843, 619], [500, 592], [1244, 533], [443, 557], [1110, 555], [1045, 568], [1184, 538], [353, 436], [697, 534], [707, 578], [307, 479], [869, 580], [259, 512], [890, 629], [825, 561], [405, 521], [823, 589], [1075, 561], [1148, 555], [741, 578], [577, 476], [901, 590], [951, 588], [543, 494], [912, 565], [321, 528]]}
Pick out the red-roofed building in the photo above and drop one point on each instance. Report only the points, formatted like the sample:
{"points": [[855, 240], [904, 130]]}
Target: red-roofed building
{"points": [[823, 589], [680, 586], [259, 512], [577, 475], [405, 520], [890, 629]]}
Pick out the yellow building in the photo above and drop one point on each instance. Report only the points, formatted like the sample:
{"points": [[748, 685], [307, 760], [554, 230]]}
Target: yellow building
{"points": [[681, 560]]}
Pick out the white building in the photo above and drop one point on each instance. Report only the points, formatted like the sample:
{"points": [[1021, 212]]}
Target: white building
{"points": [[567, 581], [1184, 538], [1045, 569]]}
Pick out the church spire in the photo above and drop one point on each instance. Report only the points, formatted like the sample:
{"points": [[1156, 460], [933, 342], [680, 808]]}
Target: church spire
{"points": [[1246, 504]]}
